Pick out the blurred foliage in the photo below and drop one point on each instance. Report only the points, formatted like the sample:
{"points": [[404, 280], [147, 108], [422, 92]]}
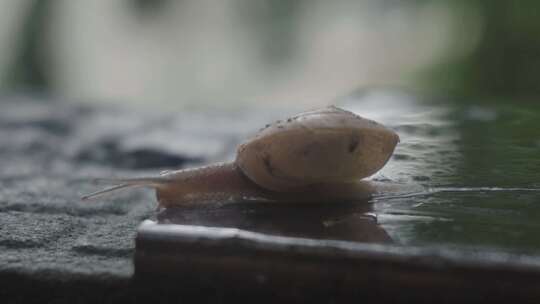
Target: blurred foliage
{"points": [[146, 9], [28, 70], [277, 25], [499, 144], [506, 62]]}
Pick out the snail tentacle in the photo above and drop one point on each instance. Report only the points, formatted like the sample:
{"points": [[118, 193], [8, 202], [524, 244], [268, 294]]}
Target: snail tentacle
{"points": [[122, 183]]}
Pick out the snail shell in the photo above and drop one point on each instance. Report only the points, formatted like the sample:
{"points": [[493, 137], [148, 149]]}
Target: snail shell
{"points": [[314, 156], [329, 145]]}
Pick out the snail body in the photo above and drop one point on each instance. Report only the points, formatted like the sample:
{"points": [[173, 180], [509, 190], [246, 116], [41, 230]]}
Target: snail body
{"points": [[320, 155]]}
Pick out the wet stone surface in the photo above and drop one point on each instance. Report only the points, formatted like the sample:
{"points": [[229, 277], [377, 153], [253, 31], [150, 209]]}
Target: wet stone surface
{"points": [[460, 178], [50, 153], [27, 230]]}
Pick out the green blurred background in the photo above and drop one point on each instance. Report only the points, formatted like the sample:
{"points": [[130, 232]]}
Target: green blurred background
{"points": [[237, 52]]}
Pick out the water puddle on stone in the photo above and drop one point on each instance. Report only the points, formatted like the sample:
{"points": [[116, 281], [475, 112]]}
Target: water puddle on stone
{"points": [[462, 175]]}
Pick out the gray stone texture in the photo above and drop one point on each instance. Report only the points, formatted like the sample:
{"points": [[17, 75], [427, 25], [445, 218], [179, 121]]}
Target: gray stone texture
{"points": [[50, 154]]}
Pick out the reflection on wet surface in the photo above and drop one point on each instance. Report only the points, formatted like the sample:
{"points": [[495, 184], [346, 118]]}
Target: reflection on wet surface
{"points": [[347, 221], [477, 166]]}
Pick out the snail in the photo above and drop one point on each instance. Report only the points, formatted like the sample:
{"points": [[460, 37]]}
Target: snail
{"points": [[315, 156]]}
